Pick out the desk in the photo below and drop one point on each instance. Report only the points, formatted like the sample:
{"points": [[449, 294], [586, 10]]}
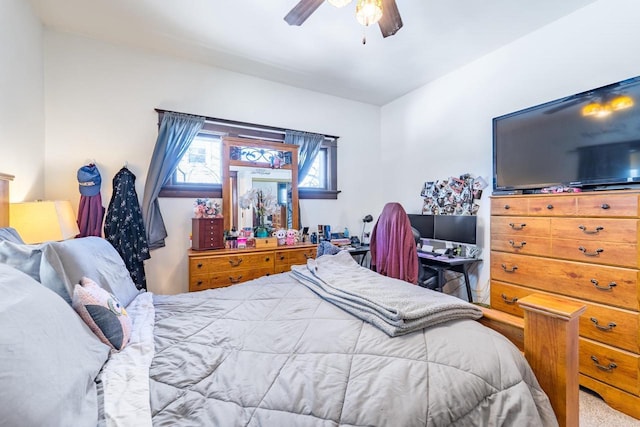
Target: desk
{"points": [[360, 251], [443, 262]]}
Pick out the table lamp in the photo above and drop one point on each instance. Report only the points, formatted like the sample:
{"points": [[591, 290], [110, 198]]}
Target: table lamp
{"points": [[43, 221], [365, 220]]}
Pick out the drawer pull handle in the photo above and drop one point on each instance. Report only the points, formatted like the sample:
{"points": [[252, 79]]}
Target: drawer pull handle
{"points": [[509, 270], [549, 206], [267, 259], [517, 246], [607, 328], [235, 261], [507, 207], [281, 257], [199, 265], [517, 226], [604, 288], [235, 280], [608, 368], [199, 283], [585, 231], [586, 253], [307, 256], [508, 300], [605, 206]]}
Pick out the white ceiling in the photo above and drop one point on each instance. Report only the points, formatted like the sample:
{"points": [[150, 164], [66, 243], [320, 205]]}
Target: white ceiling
{"points": [[326, 53]]}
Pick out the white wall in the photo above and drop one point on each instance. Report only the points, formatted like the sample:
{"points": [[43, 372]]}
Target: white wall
{"points": [[100, 102], [21, 100], [445, 128]]}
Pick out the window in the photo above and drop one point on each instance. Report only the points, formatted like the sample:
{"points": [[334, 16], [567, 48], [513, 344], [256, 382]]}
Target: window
{"points": [[199, 173]]}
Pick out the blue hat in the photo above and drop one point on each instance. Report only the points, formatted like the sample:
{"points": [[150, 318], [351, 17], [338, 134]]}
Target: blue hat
{"points": [[89, 180]]}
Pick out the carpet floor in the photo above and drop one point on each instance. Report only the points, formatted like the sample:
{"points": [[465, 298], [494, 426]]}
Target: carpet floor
{"points": [[594, 412]]}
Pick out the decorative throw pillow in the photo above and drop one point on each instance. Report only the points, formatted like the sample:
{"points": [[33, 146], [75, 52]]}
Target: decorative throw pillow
{"points": [[103, 313]]}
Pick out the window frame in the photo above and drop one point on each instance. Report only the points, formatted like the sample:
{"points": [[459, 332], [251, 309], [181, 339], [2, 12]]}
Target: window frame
{"points": [[236, 129]]}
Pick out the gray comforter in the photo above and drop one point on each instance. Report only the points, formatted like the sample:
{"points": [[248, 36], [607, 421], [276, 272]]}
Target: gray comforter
{"points": [[271, 352]]}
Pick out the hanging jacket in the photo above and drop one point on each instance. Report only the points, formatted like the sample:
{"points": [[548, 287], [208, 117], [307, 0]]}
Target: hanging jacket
{"points": [[124, 227], [90, 209], [393, 247]]}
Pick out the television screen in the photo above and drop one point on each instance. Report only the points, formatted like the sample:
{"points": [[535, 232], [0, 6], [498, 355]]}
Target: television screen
{"points": [[455, 228], [586, 140], [423, 224]]}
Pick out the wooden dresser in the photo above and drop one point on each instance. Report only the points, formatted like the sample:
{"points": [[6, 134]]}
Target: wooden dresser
{"points": [[4, 199], [225, 267], [583, 246]]}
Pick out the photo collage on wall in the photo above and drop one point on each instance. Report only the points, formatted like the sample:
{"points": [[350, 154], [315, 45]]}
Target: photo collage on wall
{"points": [[453, 196]]}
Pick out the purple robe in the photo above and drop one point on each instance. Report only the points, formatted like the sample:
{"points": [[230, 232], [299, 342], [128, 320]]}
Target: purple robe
{"points": [[393, 247], [90, 216]]}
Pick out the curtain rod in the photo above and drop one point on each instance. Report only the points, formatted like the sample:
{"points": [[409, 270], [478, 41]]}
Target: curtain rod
{"points": [[237, 123]]}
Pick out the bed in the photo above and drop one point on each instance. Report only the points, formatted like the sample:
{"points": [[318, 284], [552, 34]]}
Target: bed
{"points": [[270, 352]]}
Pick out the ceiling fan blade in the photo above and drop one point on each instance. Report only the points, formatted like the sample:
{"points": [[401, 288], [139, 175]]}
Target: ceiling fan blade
{"points": [[302, 11], [390, 23]]}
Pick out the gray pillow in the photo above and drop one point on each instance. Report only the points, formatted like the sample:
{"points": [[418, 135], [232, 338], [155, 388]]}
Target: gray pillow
{"points": [[49, 358], [29, 259], [96, 258], [10, 234]]}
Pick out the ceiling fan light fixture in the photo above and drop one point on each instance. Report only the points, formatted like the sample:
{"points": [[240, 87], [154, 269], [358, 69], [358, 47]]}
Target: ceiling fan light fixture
{"points": [[621, 102], [368, 12], [339, 3], [591, 109]]}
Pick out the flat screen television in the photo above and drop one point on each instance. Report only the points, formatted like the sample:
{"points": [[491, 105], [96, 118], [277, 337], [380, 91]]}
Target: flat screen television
{"points": [[455, 228], [588, 140]]}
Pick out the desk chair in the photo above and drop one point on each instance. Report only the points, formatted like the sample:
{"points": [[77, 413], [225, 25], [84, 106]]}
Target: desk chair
{"points": [[392, 247], [427, 277]]}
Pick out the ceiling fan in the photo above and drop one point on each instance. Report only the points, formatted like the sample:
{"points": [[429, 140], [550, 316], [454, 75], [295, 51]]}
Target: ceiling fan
{"points": [[389, 23]]}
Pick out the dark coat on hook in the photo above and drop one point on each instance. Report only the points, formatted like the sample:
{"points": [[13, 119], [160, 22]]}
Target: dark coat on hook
{"points": [[124, 227]]}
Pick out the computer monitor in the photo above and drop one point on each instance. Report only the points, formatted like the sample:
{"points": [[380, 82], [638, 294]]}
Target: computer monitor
{"points": [[455, 228], [423, 224]]}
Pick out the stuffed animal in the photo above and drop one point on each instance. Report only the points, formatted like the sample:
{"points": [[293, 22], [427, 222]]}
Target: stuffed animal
{"points": [[281, 235], [292, 236]]}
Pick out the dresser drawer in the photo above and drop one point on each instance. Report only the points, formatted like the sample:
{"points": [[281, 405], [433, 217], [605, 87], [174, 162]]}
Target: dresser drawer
{"points": [[608, 325], [552, 206], [595, 229], [610, 365], [504, 297], [509, 206], [231, 262], [300, 257], [604, 284], [519, 244], [521, 226], [609, 205], [610, 253], [233, 277]]}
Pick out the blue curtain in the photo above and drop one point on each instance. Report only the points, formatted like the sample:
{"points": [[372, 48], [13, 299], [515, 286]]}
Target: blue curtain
{"points": [[309, 146], [175, 134]]}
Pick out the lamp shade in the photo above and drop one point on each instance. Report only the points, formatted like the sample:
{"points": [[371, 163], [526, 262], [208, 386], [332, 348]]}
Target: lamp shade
{"points": [[38, 222]]}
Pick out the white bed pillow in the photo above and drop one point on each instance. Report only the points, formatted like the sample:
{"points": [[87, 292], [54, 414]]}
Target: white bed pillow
{"points": [[49, 358]]}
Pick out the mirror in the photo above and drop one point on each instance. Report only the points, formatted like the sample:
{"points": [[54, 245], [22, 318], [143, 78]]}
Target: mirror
{"points": [[256, 171]]}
